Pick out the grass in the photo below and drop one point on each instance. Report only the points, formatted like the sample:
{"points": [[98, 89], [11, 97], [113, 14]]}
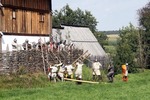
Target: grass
{"points": [[137, 88], [112, 42], [112, 39]]}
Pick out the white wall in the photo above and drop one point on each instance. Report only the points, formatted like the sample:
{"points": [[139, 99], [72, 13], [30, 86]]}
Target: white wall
{"points": [[8, 39]]}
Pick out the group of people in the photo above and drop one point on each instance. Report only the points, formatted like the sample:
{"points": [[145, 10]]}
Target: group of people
{"points": [[25, 46], [61, 71], [51, 46]]}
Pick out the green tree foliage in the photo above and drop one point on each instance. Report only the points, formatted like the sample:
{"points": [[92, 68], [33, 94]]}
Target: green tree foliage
{"points": [[74, 17], [127, 46], [144, 21], [102, 38]]}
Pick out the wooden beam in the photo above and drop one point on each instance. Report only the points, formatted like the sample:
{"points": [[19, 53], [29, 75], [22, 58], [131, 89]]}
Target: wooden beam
{"points": [[80, 81], [79, 57]]}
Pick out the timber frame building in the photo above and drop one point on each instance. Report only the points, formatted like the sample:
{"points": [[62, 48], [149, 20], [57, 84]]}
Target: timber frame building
{"points": [[25, 18]]}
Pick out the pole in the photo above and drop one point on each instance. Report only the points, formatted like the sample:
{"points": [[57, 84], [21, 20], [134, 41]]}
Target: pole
{"points": [[80, 81], [43, 57]]}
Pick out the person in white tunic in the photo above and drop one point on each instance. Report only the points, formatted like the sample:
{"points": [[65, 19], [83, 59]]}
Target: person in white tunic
{"points": [[61, 71], [69, 70], [78, 72], [96, 70], [53, 73]]}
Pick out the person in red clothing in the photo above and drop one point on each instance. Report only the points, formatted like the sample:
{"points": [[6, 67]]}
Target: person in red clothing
{"points": [[125, 72]]}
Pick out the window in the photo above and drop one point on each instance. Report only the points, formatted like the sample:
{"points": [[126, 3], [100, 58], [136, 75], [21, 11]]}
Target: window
{"points": [[41, 17], [14, 14]]}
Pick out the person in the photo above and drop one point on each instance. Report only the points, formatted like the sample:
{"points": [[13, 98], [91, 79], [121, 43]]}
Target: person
{"points": [[39, 44], [51, 46], [61, 46], [110, 74], [14, 45], [34, 45], [96, 70], [61, 72], [53, 73], [78, 72], [125, 69], [69, 70], [26, 45]]}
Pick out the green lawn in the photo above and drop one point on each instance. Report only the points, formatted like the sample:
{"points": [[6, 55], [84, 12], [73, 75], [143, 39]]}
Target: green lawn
{"points": [[137, 88]]}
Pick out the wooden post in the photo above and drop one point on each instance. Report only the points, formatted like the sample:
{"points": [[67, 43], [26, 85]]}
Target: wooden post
{"points": [[43, 56]]}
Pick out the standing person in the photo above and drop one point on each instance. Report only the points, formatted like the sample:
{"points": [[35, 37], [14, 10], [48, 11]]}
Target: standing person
{"points": [[26, 45], [78, 72], [110, 74], [96, 70], [125, 72], [14, 45], [61, 72], [53, 73], [69, 70]]}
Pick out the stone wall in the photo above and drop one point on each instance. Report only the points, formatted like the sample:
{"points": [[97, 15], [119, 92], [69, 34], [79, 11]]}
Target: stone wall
{"points": [[33, 60]]}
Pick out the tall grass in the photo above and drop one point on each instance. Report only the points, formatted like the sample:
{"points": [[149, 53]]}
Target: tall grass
{"points": [[137, 88], [23, 81]]}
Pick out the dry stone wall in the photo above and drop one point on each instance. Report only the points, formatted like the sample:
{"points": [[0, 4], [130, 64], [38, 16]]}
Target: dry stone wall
{"points": [[33, 60]]}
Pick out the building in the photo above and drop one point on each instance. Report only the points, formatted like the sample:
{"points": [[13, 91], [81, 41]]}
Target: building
{"points": [[24, 19], [82, 38]]}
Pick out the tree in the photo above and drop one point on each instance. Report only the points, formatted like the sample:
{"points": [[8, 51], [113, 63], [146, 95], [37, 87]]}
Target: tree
{"points": [[102, 38], [144, 21], [127, 47], [74, 17]]}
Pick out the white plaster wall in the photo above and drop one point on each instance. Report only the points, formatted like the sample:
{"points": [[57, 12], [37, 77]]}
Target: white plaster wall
{"points": [[8, 39]]}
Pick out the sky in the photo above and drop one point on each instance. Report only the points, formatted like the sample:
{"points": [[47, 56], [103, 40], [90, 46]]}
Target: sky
{"points": [[110, 14]]}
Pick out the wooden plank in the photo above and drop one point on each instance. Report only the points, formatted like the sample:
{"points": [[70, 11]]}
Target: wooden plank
{"points": [[83, 81], [79, 57], [50, 22], [14, 24], [28, 24], [33, 22], [19, 21], [24, 21], [8, 21], [46, 23], [3, 20], [38, 23]]}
